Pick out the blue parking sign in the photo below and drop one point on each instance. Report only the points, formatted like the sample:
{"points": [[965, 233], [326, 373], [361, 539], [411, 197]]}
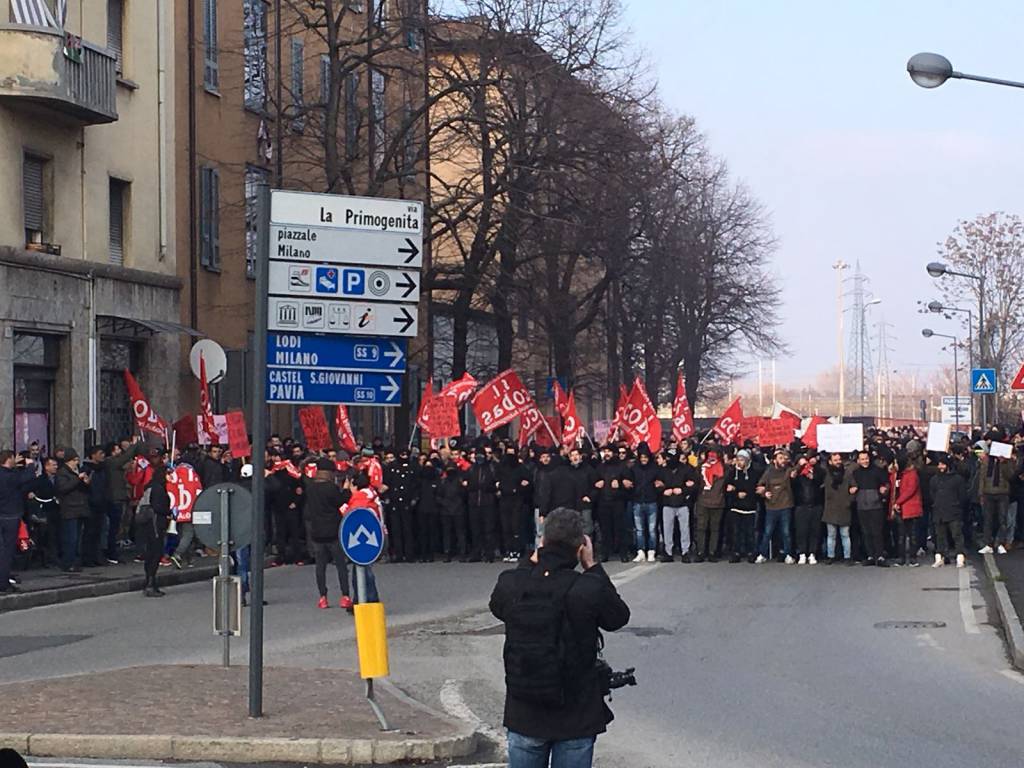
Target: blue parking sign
{"points": [[353, 282]]}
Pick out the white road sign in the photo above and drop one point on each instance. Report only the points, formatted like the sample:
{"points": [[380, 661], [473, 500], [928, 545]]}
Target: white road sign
{"points": [[333, 316], [330, 281], [341, 212], [345, 246], [949, 410]]}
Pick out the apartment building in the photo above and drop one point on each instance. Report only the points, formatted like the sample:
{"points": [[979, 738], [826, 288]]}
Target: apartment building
{"points": [[88, 277]]}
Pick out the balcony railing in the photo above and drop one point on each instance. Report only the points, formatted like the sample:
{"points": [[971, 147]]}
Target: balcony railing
{"points": [[45, 66]]}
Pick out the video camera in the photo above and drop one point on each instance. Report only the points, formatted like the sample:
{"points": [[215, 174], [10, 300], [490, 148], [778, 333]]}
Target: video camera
{"points": [[611, 680]]}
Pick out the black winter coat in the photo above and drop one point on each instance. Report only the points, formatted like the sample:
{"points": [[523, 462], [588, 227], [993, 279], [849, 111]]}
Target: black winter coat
{"points": [[430, 481], [592, 604], [949, 495], [510, 478], [609, 472], [543, 481], [481, 486], [643, 477], [14, 485], [568, 487], [73, 494], [323, 509], [675, 476], [451, 495]]}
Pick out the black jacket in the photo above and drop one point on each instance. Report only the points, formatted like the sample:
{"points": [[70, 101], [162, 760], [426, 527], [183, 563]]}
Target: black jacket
{"points": [[809, 490], [323, 505], [450, 493], [609, 472], [568, 487], [543, 479], [212, 472], [745, 481], [481, 485], [14, 485], [949, 494], [592, 604], [643, 477], [73, 494], [675, 476], [510, 478], [159, 500], [429, 478], [402, 480]]}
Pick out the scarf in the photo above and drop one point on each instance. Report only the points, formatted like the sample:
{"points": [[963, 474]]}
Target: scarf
{"points": [[711, 470]]}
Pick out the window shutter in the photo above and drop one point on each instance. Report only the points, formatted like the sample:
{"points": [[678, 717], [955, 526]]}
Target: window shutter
{"points": [[32, 192], [117, 222], [210, 70], [115, 31], [214, 218], [204, 216], [325, 79]]}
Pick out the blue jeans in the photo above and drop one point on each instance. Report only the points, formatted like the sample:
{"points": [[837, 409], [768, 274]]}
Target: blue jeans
{"points": [[70, 539], [830, 542], [528, 752], [776, 518], [242, 567], [645, 512]]}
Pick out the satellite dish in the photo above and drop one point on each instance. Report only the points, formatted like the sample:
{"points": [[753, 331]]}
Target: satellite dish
{"points": [[213, 355]]}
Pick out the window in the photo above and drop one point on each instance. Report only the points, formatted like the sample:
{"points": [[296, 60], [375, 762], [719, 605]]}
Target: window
{"points": [[115, 31], [209, 218], [255, 50], [253, 178], [298, 83], [36, 360], [116, 355], [325, 79], [378, 84], [211, 73], [352, 116], [118, 206], [33, 176]]}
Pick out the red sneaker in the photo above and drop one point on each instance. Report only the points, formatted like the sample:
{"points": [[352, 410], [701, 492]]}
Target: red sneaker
{"points": [[346, 602], [165, 560], [323, 603]]}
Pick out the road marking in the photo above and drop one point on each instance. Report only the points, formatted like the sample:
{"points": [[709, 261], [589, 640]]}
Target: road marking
{"points": [[1012, 674], [966, 604], [926, 640], [456, 706], [632, 574]]}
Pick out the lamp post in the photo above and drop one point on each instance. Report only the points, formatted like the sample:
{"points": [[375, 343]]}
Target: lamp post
{"points": [[863, 327], [930, 70], [929, 333], [938, 269], [839, 266], [938, 307]]}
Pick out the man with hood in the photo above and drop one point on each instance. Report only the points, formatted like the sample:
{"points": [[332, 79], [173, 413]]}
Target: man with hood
{"points": [[741, 497], [513, 481], [611, 505], [710, 505], [677, 481], [481, 484], [644, 499]]}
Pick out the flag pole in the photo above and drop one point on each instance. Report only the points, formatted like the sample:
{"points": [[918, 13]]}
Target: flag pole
{"points": [[412, 435], [551, 432]]}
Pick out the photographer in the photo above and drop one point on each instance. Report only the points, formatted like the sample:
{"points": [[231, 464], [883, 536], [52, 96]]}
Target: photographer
{"points": [[554, 704]]}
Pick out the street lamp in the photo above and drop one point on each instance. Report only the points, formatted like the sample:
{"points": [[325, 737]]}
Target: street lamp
{"points": [[930, 70], [938, 307], [928, 333], [938, 269], [863, 328]]}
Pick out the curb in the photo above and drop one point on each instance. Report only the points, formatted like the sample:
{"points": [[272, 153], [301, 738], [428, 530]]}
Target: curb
{"points": [[166, 578], [247, 750], [1013, 631]]}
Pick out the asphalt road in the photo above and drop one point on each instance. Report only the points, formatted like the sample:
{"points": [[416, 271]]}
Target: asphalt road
{"points": [[738, 665]]}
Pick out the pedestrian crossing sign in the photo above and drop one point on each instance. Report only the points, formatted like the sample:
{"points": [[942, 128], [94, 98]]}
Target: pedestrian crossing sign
{"points": [[983, 381]]}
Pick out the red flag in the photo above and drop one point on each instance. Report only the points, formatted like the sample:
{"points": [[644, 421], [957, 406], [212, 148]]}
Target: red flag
{"points": [[461, 390], [620, 410], [549, 434], [206, 424], [572, 429], [561, 399], [501, 400], [529, 422], [779, 411], [810, 436], [640, 419], [145, 417], [728, 425], [421, 415], [343, 429], [185, 430], [682, 417]]}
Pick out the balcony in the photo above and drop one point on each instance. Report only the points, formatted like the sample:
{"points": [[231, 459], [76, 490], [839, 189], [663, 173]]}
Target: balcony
{"points": [[78, 80]]}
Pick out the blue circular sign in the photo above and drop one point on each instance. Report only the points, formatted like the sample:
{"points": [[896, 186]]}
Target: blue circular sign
{"points": [[361, 536]]}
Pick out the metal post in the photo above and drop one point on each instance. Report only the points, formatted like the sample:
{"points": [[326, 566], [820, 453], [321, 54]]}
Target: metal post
{"points": [[225, 572], [981, 344], [956, 386], [360, 584], [361, 598], [259, 439]]}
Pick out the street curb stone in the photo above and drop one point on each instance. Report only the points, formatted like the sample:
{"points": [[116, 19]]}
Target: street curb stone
{"points": [[234, 749], [1013, 630]]}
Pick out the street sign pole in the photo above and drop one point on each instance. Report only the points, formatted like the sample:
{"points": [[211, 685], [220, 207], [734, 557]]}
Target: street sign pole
{"points": [[259, 440], [225, 572]]}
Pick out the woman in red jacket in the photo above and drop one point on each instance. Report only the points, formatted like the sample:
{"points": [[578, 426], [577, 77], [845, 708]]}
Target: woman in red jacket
{"points": [[905, 507]]}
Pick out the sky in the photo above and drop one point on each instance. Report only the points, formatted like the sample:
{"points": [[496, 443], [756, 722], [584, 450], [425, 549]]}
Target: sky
{"points": [[811, 106]]}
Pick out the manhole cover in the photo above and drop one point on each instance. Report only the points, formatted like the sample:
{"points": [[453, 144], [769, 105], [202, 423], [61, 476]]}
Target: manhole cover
{"points": [[15, 645], [647, 631], [910, 624]]}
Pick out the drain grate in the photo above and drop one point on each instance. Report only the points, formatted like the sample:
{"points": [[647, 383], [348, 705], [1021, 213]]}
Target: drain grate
{"points": [[910, 625]]}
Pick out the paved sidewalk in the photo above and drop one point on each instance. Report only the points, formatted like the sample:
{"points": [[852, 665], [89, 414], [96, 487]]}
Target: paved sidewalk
{"points": [[1012, 568], [1006, 573], [199, 713]]}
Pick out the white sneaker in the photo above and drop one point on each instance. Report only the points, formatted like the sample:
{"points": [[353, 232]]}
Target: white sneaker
{"points": [[650, 555], [1001, 550], [986, 550], [760, 559], [802, 560], [939, 562], [812, 560], [961, 561], [789, 560], [640, 557]]}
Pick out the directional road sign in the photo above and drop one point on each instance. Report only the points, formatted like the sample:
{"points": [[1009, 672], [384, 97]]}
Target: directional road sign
{"points": [[956, 411], [346, 246], [983, 381], [339, 353], [351, 282], [305, 385], [334, 316], [361, 536], [344, 212]]}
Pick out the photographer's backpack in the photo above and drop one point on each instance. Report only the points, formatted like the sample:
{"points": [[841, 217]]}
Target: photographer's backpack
{"points": [[538, 638]]}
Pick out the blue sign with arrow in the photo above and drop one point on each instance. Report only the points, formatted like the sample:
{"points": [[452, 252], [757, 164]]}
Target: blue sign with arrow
{"points": [[340, 353], [361, 536], [311, 386], [983, 381]]}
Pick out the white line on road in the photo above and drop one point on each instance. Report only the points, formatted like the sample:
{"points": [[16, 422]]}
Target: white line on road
{"points": [[456, 706], [631, 574], [1012, 674], [966, 603]]}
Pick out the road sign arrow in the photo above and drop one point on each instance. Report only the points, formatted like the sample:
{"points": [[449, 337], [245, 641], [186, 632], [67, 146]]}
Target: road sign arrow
{"points": [[362, 536], [406, 283], [392, 389], [395, 355], [405, 320], [410, 251]]}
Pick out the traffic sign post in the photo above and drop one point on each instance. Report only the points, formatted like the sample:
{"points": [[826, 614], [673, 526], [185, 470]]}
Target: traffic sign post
{"points": [[983, 381]]}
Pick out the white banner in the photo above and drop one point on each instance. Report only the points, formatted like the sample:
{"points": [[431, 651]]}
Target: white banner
{"points": [[840, 438]]}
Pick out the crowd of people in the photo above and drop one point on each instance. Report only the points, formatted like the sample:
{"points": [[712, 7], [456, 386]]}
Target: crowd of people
{"points": [[889, 504]]}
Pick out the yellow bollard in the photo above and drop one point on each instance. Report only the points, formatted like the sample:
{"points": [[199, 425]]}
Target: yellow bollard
{"points": [[371, 640]]}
